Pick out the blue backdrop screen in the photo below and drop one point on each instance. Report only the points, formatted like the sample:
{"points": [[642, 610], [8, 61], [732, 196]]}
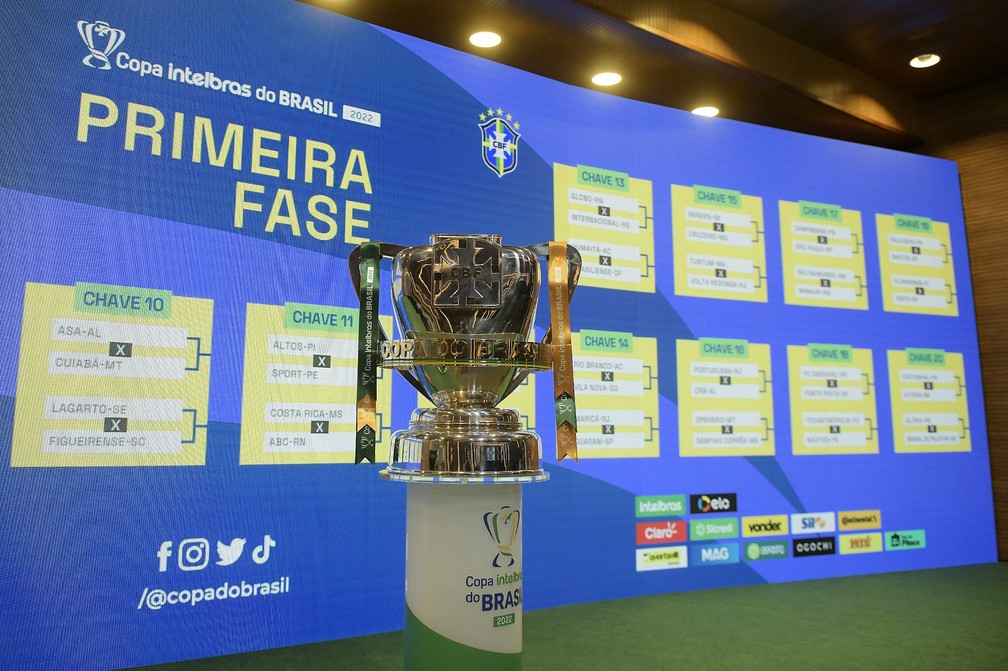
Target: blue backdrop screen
{"points": [[775, 350]]}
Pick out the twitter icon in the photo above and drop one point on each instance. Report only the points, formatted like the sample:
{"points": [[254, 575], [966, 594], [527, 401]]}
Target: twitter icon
{"points": [[229, 554]]}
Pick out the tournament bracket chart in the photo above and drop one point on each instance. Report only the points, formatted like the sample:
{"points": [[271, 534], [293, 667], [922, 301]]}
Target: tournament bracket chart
{"points": [[832, 392], [300, 384], [822, 249], [725, 398], [112, 376], [718, 244], [616, 386], [915, 257], [928, 394], [609, 217]]}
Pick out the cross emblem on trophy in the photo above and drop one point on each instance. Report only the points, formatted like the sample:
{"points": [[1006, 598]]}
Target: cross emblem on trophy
{"points": [[467, 273]]}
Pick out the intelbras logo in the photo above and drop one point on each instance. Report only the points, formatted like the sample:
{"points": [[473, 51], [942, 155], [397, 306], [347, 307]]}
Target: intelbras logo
{"points": [[813, 523], [765, 525], [811, 547], [667, 505], [851, 520], [713, 503], [658, 559]]}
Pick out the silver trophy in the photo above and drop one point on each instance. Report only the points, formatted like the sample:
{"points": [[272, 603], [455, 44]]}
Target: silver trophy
{"points": [[465, 306]]}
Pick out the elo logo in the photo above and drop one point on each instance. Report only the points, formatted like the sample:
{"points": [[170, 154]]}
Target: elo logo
{"points": [[713, 503]]}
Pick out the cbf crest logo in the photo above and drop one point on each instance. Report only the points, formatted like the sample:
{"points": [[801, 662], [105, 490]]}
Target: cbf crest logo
{"points": [[500, 141], [101, 40], [503, 529]]}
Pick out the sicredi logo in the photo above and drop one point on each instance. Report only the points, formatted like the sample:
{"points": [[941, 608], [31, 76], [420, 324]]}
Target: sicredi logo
{"points": [[851, 520], [913, 539], [759, 550], [713, 529], [713, 503], [765, 525], [649, 533], [659, 559], [714, 553], [813, 523], [810, 547], [859, 543], [661, 506]]}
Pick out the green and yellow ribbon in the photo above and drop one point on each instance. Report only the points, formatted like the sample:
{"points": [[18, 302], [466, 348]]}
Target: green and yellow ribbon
{"points": [[563, 353], [368, 338]]}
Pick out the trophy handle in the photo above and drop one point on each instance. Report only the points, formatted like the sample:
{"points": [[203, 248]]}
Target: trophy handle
{"points": [[387, 251], [573, 274]]}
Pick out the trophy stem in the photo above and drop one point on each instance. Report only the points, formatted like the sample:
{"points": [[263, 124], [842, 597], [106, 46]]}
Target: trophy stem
{"points": [[463, 577]]}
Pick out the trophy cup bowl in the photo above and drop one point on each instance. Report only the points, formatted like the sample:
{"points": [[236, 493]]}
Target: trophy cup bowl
{"points": [[465, 306]]}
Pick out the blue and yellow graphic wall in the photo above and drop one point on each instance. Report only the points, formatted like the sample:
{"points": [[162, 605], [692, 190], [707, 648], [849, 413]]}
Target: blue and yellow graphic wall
{"points": [[775, 350]]}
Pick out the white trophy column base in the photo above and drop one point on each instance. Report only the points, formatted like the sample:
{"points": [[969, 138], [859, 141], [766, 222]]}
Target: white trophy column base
{"points": [[463, 576]]}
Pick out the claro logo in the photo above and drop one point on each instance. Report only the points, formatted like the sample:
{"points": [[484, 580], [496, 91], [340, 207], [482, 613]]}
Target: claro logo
{"points": [[661, 532], [713, 503]]}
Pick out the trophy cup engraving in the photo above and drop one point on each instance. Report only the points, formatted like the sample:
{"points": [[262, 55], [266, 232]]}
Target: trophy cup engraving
{"points": [[465, 306]]}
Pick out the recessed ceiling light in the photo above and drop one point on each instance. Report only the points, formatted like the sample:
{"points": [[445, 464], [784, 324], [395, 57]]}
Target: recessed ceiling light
{"points": [[924, 60], [607, 79], [707, 111], [485, 39]]}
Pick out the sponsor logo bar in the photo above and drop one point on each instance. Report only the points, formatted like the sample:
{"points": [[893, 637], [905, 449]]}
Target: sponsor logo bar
{"points": [[860, 519], [714, 528], [714, 553], [913, 539], [851, 544], [659, 559], [811, 547], [759, 550], [649, 533], [813, 523], [661, 506], [765, 525], [713, 503]]}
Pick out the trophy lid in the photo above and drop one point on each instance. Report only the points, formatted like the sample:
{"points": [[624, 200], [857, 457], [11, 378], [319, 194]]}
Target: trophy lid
{"points": [[491, 237]]}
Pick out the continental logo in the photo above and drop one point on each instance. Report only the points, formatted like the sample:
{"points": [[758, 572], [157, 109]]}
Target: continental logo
{"points": [[659, 559], [759, 550], [661, 506], [811, 547], [765, 525], [852, 544], [649, 533], [851, 520], [905, 540], [713, 528], [713, 503], [813, 523]]}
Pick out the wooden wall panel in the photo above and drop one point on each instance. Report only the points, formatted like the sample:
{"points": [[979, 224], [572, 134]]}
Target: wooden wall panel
{"points": [[971, 128]]}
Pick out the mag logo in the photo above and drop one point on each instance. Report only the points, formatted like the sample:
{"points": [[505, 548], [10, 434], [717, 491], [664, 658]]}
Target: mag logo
{"points": [[714, 553], [713, 503], [813, 523]]}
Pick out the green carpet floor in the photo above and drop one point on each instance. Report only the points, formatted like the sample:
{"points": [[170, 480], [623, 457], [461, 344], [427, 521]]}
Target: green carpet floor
{"points": [[952, 618]]}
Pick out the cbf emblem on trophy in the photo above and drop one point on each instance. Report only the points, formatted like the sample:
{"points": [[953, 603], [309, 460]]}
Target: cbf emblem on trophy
{"points": [[500, 141], [465, 306], [101, 40], [503, 529]]}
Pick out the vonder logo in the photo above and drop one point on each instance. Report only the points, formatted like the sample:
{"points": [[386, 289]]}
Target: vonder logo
{"points": [[765, 525]]}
